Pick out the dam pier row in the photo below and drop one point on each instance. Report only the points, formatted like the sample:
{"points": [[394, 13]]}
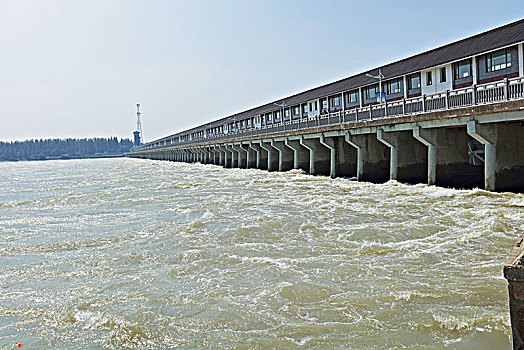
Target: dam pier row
{"points": [[452, 116]]}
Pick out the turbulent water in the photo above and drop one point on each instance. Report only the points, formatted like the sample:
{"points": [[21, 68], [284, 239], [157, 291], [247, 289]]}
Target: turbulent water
{"points": [[126, 253]]}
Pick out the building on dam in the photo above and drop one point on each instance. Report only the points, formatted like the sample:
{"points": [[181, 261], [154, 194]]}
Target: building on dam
{"points": [[452, 116]]}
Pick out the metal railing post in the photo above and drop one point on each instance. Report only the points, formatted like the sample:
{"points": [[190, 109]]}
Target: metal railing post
{"points": [[474, 94], [506, 89], [403, 105]]}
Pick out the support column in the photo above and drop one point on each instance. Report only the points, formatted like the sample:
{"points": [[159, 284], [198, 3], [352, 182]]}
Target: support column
{"points": [[220, 155], [227, 156], [372, 157], [319, 156], [193, 155], [215, 155], [250, 156], [486, 135], [393, 160], [256, 148], [408, 157], [330, 144], [233, 154], [428, 139], [311, 150], [300, 154], [360, 155], [272, 155], [241, 156], [521, 59], [285, 155], [474, 69]]}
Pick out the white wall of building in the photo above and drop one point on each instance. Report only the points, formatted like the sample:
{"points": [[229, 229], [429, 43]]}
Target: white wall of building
{"points": [[521, 59], [316, 108], [436, 86]]}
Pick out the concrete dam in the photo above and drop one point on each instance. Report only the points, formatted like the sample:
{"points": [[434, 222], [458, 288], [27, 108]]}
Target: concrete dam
{"points": [[452, 116]]}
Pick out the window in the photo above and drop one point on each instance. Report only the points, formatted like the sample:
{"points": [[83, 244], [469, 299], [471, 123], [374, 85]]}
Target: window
{"points": [[414, 81], [304, 108], [443, 74], [286, 113], [429, 79], [311, 106], [335, 101], [462, 69], [352, 97], [324, 103], [498, 60], [393, 86], [296, 110], [371, 92]]}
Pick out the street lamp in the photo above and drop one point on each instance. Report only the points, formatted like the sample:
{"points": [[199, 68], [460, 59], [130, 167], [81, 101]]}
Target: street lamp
{"points": [[380, 76], [283, 104]]}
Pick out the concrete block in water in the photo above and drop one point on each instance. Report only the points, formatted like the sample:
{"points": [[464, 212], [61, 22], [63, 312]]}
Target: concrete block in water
{"points": [[514, 274]]}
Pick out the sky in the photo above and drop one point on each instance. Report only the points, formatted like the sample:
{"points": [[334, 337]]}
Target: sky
{"points": [[77, 69]]}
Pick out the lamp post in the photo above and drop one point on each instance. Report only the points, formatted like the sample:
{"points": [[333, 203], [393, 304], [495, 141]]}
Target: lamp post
{"points": [[380, 76], [283, 104]]}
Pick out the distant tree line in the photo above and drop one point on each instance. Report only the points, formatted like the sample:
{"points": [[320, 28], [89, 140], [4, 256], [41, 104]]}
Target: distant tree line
{"points": [[63, 148]]}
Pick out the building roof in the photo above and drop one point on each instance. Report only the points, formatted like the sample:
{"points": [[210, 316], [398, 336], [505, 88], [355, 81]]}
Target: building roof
{"points": [[493, 39]]}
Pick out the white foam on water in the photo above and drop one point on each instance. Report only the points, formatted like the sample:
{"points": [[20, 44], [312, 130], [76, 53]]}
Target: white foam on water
{"points": [[228, 257]]}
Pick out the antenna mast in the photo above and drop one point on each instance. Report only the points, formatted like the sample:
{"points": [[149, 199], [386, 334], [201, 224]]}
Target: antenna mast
{"points": [[139, 138], [139, 123]]}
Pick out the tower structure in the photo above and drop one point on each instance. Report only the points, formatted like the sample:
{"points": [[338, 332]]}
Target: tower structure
{"points": [[138, 133]]}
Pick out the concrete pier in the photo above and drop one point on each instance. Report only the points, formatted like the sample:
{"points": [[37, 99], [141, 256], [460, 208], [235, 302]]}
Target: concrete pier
{"points": [[285, 154], [319, 155], [514, 274], [272, 155], [300, 154]]}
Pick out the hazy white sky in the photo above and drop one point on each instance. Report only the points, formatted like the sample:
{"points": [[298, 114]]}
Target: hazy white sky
{"points": [[77, 68]]}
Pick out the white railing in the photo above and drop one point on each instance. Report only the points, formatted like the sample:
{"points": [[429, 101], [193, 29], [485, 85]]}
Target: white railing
{"points": [[505, 90]]}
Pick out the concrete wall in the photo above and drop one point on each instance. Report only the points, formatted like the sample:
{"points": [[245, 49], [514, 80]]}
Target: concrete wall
{"points": [[510, 157], [319, 156], [346, 158], [376, 156], [453, 167]]}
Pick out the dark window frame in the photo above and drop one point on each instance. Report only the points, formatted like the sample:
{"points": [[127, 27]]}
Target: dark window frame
{"points": [[490, 67], [348, 97], [392, 82], [367, 89], [456, 70], [443, 77], [332, 103], [410, 79], [429, 78]]}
